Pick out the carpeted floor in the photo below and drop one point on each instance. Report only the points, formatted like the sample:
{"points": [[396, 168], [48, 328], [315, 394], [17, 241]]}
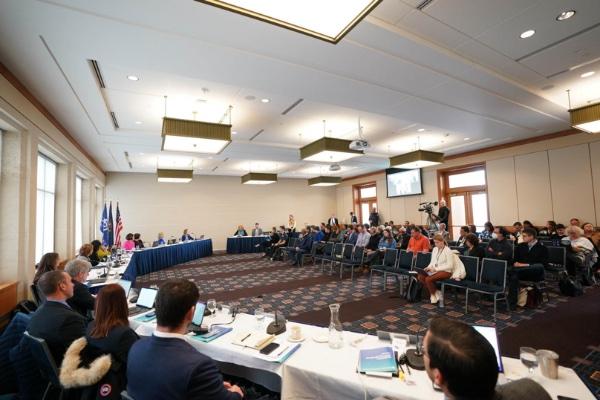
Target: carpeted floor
{"points": [[567, 325]]}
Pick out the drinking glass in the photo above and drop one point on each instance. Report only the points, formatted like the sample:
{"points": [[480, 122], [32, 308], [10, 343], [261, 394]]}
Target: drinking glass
{"points": [[528, 358], [259, 314], [211, 304]]}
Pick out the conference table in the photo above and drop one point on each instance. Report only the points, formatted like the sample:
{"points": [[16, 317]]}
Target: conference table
{"points": [[153, 259], [245, 244], [315, 371]]}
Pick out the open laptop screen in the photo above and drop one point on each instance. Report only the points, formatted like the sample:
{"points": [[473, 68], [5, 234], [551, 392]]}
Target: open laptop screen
{"points": [[126, 285], [199, 314], [146, 297], [491, 335]]}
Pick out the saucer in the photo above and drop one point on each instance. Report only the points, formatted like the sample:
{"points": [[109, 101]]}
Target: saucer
{"points": [[300, 339], [321, 338]]}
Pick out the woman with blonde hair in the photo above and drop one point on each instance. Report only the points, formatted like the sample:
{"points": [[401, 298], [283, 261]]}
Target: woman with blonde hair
{"points": [[444, 265], [291, 223]]}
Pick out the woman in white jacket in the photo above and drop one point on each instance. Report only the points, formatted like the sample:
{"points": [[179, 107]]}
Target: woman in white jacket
{"points": [[444, 265]]}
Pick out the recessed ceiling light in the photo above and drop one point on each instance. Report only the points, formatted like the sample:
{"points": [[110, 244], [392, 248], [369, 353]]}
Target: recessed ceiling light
{"points": [[138, 122], [565, 15], [467, 138], [588, 74], [528, 33], [133, 78], [421, 130], [234, 132], [265, 100]]}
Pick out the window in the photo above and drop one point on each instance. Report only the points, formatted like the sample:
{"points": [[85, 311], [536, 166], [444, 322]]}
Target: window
{"points": [[473, 178], [46, 186], [78, 212], [365, 200]]}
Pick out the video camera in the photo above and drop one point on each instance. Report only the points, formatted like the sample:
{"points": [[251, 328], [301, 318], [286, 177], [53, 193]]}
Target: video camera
{"points": [[427, 206]]}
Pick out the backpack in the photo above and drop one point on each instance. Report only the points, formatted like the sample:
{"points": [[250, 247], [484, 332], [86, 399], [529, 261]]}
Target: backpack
{"points": [[413, 292], [569, 286]]}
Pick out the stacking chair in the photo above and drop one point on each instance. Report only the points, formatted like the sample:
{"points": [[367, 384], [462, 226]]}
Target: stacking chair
{"points": [[311, 255], [546, 243], [45, 362], [492, 282], [327, 249], [288, 249], [38, 296], [557, 260], [389, 264], [472, 269], [355, 261], [346, 256], [336, 256], [423, 260], [402, 270]]}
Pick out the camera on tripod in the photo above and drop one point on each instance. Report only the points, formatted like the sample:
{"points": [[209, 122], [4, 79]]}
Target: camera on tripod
{"points": [[427, 206]]}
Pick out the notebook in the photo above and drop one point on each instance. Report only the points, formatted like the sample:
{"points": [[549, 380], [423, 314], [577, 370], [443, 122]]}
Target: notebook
{"points": [[255, 340], [380, 359]]}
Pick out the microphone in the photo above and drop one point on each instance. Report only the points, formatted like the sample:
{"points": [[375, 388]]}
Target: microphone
{"points": [[277, 326], [414, 357]]}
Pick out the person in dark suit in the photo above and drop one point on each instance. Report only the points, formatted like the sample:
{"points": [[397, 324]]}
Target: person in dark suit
{"points": [[443, 213], [257, 231], [353, 218], [303, 247], [165, 365], [374, 217], [110, 333], [472, 248], [529, 264], [240, 231], [55, 321], [81, 301], [186, 236], [499, 247], [332, 220]]}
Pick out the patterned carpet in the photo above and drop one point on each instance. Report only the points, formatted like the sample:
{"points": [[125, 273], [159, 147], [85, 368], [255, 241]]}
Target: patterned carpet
{"points": [[590, 365]]}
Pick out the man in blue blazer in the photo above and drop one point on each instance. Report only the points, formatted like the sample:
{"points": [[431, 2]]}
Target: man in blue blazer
{"points": [[165, 366]]}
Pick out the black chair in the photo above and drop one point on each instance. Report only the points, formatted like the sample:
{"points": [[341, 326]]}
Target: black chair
{"points": [[546, 243], [45, 362], [346, 256], [126, 396], [38, 296], [402, 270], [311, 255], [327, 249], [289, 248], [492, 282], [557, 260], [388, 265], [471, 268], [423, 260], [355, 261]]}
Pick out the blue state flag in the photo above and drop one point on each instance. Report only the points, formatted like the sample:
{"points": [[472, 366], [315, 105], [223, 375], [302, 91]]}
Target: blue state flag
{"points": [[104, 226], [110, 227]]}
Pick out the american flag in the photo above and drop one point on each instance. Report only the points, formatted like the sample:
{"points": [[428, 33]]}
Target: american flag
{"points": [[119, 228]]}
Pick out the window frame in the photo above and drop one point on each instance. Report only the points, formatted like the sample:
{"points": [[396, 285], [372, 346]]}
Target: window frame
{"points": [[42, 218]]}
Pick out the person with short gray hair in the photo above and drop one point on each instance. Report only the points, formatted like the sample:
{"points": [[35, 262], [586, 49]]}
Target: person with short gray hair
{"points": [[82, 301]]}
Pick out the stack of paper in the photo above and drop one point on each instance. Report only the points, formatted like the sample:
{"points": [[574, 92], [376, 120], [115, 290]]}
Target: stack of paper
{"points": [[215, 332], [255, 340]]}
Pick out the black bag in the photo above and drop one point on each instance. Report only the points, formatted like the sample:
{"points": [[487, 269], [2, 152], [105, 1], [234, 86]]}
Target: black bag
{"points": [[569, 286], [534, 297], [413, 292]]}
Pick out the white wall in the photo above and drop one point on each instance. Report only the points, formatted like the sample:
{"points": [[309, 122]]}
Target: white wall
{"points": [[214, 205], [553, 179]]}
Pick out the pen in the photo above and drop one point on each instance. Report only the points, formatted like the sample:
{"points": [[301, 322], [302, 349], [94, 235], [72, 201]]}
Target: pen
{"points": [[283, 351], [246, 337]]}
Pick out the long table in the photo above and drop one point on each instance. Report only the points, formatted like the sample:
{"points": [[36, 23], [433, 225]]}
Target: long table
{"points": [[316, 371], [244, 244], [154, 259]]}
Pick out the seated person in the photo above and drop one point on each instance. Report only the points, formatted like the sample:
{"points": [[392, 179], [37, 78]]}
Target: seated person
{"points": [[549, 230], [464, 231], [500, 248], [276, 248], [418, 242], [318, 234], [561, 232], [160, 241], [574, 222], [473, 229], [186, 236], [81, 301], [257, 231], [352, 235], [302, 247], [139, 243], [387, 241], [529, 224], [443, 232], [442, 267], [48, 262], [530, 260], [98, 253], [402, 238], [362, 239], [55, 321], [129, 243], [579, 250], [460, 361], [165, 365], [85, 252], [472, 248], [517, 231], [240, 231], [372, 248], [488, 231], [110, 333], [269, 244], [326, 234]]}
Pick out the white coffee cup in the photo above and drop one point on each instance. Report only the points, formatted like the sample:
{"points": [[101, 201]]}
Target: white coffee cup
{"points": [[296, 332]]}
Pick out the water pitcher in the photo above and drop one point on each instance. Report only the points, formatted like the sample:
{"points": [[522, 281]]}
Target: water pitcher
{"points": [[336, 339]]}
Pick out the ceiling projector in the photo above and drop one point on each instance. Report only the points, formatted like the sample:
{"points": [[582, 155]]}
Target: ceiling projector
{"points": [[334, 167], [359, 144]]}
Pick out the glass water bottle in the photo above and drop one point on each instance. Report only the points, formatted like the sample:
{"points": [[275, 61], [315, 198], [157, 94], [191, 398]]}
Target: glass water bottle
{"points": [[336, 339]]}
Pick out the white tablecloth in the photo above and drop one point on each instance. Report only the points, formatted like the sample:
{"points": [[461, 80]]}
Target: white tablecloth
{"points": [[315, 371]]}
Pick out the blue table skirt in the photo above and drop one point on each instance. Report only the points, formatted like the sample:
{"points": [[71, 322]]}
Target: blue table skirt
{"points": [[157, 258], [246, 244]]}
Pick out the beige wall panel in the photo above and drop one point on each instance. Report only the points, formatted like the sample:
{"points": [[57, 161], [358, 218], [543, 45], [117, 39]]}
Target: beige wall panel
{"points": [[533, 184], [214, 206], [595, 160], [502, 196], [398, 209], [383, 203], [571, 178], [344, 203]]}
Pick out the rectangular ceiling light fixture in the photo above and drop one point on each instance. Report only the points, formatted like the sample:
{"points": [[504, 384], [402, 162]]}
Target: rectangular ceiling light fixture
{"points": [[254, 178], [325, 181], [194, 136], [586, 118], [417, 159], [328, 20], [329, 150], [174, 175]]}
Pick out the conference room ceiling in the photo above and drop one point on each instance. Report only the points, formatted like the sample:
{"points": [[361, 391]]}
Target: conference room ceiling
{"points": [[455, 68]]}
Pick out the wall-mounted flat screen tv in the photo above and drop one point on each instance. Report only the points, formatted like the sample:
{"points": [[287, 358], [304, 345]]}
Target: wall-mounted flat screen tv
{"points": [[403, 182]]}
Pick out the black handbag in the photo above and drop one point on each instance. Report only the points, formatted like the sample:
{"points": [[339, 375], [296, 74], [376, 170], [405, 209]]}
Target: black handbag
{"points": [[569, 286], [413, 292]]}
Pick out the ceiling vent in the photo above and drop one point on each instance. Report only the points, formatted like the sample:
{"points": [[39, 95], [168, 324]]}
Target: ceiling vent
{"points": [[114, 120], [256, 134], [290, 108], [424, 4], [96, 69]]}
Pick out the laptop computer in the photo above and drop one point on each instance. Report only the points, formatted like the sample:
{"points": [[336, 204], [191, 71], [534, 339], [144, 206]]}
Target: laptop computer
{"points": [[126, 285], [489, 332], [195, 325], [145, 301]]}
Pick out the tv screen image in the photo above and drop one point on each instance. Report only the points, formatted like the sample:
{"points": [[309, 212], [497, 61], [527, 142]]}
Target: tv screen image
{"points": [[403, 182]]}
